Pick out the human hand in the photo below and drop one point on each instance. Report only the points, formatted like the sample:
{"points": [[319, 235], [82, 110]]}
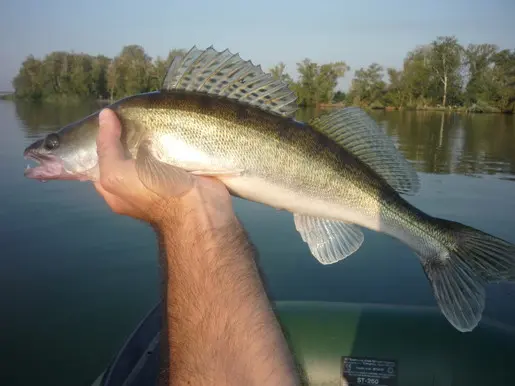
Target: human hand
{"points": [[204, 198]]}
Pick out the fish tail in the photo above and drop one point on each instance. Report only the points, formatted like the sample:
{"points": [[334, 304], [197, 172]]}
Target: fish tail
{"points": [[460, 271]]}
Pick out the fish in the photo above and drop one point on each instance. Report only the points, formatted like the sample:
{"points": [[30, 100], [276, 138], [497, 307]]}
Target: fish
{"points": [[221, 116]]}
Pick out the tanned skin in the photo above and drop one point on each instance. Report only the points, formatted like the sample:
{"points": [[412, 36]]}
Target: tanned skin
{"points": [[219, 327]]}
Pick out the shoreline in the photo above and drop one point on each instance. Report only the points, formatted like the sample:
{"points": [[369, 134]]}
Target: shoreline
{"points": [[459, 109], [321, 106]]}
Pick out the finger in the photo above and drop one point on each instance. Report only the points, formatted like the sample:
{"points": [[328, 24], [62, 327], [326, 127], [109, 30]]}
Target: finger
{"points": [[109, 148]]}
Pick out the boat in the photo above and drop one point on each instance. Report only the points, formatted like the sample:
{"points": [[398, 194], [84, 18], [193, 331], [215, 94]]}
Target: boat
{"points": [[353, 344]]}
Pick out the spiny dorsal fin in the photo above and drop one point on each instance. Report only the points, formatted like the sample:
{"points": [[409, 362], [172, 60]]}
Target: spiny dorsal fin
{"points": [[358, 133], [226, 74]]}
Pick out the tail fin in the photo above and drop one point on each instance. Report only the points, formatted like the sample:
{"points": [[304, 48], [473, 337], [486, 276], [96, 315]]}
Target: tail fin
{"points": [[458, 277]]}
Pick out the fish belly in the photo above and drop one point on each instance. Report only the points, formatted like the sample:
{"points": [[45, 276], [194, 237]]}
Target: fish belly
{"points": [[260, 190]]}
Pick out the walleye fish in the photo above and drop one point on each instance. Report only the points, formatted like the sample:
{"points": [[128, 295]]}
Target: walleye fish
{"points": [[218, 115]]}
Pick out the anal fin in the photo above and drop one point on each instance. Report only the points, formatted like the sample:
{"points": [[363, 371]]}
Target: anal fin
{"points": [[329, 241]]}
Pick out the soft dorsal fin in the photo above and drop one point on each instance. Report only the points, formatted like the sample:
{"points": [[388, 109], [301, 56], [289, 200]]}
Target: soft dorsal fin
{"points": [[358, 133], [226, 74]]}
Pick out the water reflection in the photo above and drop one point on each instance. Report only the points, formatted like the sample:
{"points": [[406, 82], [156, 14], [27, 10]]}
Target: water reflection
{"points": [[41, 118], [440, 143], [444, 143]]}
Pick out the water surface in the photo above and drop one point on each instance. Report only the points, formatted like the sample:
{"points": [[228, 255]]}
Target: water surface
{"points": [[75, 278]]}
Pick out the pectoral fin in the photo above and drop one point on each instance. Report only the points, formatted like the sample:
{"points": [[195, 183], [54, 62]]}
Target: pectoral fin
{"points": [[163, 179], [329, 241]]}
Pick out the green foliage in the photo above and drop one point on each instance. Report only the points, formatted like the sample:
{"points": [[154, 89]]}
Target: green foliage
{"points": [[130, 72], [29, 83], [99, 72], [445, 59], [367, 86], [316, 82], [503, 79], [278, 72], [339, 96], [441, 74], [479, 59], [416, 83], [482, 107], [158, 71], [70, 76]]}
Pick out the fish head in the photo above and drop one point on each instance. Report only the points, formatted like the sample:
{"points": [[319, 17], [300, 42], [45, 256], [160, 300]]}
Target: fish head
{"points": [[68, 154]]}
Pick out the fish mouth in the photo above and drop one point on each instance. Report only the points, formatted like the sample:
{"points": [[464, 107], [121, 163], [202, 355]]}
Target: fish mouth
{"points": [[50, 167]]}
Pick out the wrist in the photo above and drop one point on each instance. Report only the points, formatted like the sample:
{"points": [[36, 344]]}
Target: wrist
{"points": [[199, 210]]}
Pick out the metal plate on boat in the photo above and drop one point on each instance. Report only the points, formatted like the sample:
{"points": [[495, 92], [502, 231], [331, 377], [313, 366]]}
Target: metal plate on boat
{"points": [[360, 371]]}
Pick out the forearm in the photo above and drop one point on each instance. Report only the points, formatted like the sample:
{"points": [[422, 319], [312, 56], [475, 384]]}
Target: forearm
{"points": [[221, 329]]}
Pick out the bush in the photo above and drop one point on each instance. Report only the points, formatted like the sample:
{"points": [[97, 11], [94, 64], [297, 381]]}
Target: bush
{"points": [[482, 107], [376, 105]]}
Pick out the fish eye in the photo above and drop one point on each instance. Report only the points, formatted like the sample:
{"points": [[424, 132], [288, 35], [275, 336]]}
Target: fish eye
{"points": [[51, 141]]}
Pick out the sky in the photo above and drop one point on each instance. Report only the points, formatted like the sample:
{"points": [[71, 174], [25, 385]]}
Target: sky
{"points": [[357, 32]]}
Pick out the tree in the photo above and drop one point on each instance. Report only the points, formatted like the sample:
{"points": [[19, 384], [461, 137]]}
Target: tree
{"points": [[396, 93], [81, 80], [327, 80], [367, 86], [416, 76], [62, 74], [317, 83], [114, 78], [134, 67], [29, 81], [339, 96], [130, 72], [279, 72], [55, 72], [306, 86], [446, 55], [100, 66], [161, 66], [504, 80], [479, 62]]}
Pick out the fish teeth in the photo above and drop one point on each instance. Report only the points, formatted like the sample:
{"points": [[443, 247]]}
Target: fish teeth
{"points": [[27, 167]]}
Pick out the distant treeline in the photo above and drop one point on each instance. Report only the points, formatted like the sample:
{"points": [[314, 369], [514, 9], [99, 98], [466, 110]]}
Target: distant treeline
{"points": [[61, 75], [479, 77]]}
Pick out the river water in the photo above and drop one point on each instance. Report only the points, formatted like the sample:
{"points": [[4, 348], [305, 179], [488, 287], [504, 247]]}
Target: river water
{"points": [[75, 278]]}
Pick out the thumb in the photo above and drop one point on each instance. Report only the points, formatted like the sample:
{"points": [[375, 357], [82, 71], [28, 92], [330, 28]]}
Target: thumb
{"points": [[109, 148]]}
